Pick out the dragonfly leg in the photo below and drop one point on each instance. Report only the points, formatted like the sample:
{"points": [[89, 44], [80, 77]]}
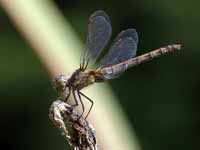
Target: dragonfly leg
{"points": [[91, 101], [83, 107], [75, 99], [66, 99]]}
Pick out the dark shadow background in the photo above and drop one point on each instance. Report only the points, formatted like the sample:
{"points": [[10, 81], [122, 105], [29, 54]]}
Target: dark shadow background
{"points": [[160, 97]]}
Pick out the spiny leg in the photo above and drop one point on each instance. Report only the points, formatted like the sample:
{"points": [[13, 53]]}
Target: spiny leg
{"points": [[75, 99], [83, 107], [89, 100], [66, 99]]}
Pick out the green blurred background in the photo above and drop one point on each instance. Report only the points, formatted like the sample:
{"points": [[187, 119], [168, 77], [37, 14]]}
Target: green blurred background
{"points": [[159, 97]]}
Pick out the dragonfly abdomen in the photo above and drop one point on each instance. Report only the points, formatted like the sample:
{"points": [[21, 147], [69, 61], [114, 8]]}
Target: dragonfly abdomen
{"points": [[114, 71], [148, 56]]}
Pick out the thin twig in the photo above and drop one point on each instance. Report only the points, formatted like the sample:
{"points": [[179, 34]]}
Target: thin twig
{"points": [[78, 132]]}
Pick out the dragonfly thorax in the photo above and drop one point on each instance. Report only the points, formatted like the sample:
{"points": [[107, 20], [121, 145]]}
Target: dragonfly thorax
{"points": [[80, 79]]}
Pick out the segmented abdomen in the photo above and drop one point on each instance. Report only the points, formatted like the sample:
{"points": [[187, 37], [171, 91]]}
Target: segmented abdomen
{"points": [[116, 70]]}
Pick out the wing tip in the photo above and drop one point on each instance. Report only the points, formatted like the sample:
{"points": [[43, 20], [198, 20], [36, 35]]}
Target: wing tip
{"points": [[101, 13]]}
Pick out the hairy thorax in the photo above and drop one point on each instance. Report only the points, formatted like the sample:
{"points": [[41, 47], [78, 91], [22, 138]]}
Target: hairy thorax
{"points": [[80, 79]]}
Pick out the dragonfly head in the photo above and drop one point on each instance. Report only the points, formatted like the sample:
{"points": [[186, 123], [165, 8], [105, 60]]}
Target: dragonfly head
{"points": [[60, 83]]}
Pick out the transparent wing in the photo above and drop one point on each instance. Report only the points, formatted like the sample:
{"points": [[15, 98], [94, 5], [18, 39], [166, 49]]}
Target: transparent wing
{"points": [[99, 32], [124, 48]]}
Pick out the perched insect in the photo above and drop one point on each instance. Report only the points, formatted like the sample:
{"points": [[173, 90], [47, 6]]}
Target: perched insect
{"points": [[119, 58]]}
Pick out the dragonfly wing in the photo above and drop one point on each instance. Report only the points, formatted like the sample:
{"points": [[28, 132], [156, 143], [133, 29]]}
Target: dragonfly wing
{"points": [[124, 48], [99, 32]]}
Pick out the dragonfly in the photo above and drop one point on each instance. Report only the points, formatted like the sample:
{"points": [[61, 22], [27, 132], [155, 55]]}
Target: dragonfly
{"points": [[120, 57]]}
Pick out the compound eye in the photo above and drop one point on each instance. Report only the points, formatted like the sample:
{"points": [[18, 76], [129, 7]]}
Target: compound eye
{"points": [[60, 83]]}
